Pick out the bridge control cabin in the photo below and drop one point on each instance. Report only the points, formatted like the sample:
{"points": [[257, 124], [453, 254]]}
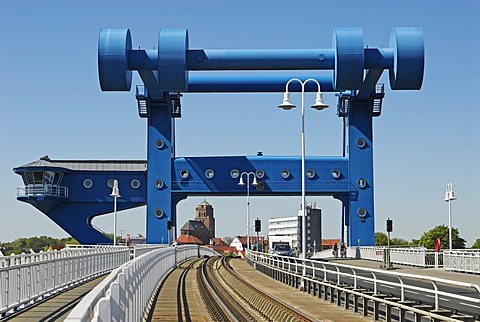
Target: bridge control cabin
{"points": [[72, 193]]}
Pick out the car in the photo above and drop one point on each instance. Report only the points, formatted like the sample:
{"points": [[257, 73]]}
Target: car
{"points": [[282, 250]]}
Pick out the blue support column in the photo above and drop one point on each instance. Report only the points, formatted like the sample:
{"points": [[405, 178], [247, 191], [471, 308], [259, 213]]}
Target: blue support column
{"points": [[159, 173], [360, 221]]}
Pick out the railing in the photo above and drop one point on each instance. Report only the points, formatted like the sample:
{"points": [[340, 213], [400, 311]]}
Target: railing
{"points": [[42, 190], [27, 277], [413, 256], [139, 250], [463, 261], [125, 294], [330, 275]]}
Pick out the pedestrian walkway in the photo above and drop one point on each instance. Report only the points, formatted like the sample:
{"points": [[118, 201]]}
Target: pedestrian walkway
{"points": [[433, 272], [313, 306]]}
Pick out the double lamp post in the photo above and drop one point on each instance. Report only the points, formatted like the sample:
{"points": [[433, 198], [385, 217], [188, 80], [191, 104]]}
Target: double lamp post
{"points": [[318, 105]]}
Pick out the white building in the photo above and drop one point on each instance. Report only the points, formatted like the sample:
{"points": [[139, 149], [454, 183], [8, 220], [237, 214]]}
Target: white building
{"points": [[289, 229], [284, 229], [237, 243]]}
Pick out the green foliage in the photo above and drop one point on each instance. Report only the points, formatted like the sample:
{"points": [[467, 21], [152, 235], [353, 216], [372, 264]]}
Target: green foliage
{"points": [[476, 244], [414, 242], [381, 239], [398, 242], [428, 238], [42, 243]]}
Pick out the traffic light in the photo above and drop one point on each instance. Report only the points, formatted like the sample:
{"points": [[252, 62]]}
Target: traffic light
{"points": [[169, 224], [389, 225], [258, 224]]}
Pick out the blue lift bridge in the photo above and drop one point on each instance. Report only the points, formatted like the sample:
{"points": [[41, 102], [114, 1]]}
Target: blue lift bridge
{"points": [[72, 193]]}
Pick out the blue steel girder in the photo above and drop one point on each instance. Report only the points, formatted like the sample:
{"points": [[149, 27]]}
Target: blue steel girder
{"points": [[75, 211]]}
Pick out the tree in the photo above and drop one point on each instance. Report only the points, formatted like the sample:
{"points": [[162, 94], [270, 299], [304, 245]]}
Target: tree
{"points": [[414, 242], [428, 238], [398, 242], [476, 244], [381, 239]]}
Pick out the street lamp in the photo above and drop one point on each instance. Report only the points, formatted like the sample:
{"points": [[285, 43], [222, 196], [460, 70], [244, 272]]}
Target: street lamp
{"points": [[318, 105], [254, 183], [449, 197], [115, 194]]}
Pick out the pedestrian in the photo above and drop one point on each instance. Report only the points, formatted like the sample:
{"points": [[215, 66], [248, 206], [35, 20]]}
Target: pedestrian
{"points": [[343, 250], [335, 250]]}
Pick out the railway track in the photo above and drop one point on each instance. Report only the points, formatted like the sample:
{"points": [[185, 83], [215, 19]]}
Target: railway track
{"points": [[264, 305], [210, 290]]}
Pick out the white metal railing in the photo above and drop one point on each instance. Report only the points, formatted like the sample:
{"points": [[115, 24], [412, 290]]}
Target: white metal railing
{"points": [[413, 256], [463, 261], [27, 277], [318, 272], [124, 295], [42, 190], [139, 250]]}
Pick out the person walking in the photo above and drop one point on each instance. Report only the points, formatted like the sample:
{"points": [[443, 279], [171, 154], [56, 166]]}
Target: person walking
{"points": [[335, 250], [343, 250]]}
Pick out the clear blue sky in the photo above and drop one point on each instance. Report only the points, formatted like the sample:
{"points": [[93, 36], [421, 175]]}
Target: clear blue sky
{"points": [[51, 103]]}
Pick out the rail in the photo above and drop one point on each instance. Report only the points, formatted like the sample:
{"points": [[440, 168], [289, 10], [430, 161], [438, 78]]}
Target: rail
{"points": [[462, 261], [28, 277], [413, 256], [139, 250], [337, 274], [125, 294], [48, 190]]}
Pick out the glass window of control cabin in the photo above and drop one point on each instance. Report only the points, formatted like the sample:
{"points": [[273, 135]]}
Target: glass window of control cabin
{"points": [[28, 177], [38, 177]]}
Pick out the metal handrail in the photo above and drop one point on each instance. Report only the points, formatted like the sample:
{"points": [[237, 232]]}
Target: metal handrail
{"points": [[39, 190], [132, 285], [273, 260], [27, 277]]}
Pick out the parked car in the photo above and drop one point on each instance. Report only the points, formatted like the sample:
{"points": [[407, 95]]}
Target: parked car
{"points": [[282, 249]]}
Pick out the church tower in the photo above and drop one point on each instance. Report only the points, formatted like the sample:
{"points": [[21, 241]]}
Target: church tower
{"points": [[204, 213]]}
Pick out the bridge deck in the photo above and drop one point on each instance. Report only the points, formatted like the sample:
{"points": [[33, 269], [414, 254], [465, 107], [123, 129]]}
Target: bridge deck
{"points": [[56, 308], [303, 302]]}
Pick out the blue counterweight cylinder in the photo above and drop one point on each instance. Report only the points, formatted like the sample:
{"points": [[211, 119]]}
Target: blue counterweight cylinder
{"points": [[172, 61], [113, 48], [408, 60], [349, 58]]}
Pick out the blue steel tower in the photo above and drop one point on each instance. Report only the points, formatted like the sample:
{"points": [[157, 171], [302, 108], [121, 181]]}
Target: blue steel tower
{"points": [[165, 179]]}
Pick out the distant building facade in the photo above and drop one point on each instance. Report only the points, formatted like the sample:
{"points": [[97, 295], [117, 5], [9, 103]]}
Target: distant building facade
{"points": [[204, 214], [202, 228], [289, 229]]}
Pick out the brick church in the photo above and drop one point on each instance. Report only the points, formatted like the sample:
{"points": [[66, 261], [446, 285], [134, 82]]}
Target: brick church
{"points": [[201, 229]]}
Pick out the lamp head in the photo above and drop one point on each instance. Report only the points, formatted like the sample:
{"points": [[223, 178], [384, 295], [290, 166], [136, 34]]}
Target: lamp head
{"points": [[115, 190], [286, 104], [319, 104], [254, 183], [449, 196], [241, 183]]}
